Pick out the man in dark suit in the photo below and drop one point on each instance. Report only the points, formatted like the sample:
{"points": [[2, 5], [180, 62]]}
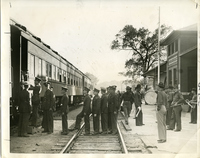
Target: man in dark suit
{"points": [[64, 111], [112, 110], [96, 111], [104, 111], [24, 110], [48, 109], [138, 106], [127, 99], [86, 111], [35, 100]]}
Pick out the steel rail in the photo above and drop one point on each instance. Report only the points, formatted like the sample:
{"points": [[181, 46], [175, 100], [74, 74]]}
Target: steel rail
{"points": [[124, 149], [73, 138]]}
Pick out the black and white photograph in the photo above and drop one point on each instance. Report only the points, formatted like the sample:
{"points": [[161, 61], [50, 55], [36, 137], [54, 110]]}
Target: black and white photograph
{"points": [[102, 78]]}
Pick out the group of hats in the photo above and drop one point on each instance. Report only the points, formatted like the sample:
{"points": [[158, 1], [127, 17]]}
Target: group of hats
{"points": [[36, 79]]}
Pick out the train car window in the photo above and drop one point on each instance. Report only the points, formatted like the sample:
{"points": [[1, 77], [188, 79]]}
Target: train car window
{"points": [[71, 81], [53, 72], [31, 65], [50, 71], [36, 66], [47, 69], [60, 75], [65, 77], [39, 67], [68, 78], [74, 82]]}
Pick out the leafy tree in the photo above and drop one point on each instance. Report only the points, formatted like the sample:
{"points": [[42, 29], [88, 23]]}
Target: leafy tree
{"points": [[93, 78], [144, 47]]}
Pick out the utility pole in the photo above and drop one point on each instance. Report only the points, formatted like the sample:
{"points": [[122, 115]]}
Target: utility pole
{"points": [[159, 46]]}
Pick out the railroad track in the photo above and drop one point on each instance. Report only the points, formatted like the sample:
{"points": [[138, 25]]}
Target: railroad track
{"points": [[77, 142]]}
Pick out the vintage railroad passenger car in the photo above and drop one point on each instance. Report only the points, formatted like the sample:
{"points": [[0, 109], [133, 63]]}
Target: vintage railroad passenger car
{"points": [[31, 57]]}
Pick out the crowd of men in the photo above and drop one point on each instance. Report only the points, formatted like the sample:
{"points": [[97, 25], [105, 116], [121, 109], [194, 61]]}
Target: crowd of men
{"points": [[104, 109]]}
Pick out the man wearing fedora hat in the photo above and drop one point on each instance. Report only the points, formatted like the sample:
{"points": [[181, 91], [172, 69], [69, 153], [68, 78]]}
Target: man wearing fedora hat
{"points": [[127, 99], [64, 110], [35, 100], [161, 113], [104, 111], [48, 109], [138, 106], [96, 111], [86, 111], [24, 110]]}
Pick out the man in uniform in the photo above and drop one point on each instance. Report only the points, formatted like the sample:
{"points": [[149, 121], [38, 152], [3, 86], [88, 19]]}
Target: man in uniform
{"points": [[64, 111], [35, 100], [24, 110], [96, 111], [169, 107], [86, 111], [48, 109], [104, 111], [177, 109], [112, 110], [127, 99], [193, 102], [138, 104]]}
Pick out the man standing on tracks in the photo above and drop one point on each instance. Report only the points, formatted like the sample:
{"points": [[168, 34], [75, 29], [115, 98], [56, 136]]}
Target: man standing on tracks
{"points": [[112, 110], [127, 99], [86, 111], [96, 111], [104, 111], [35, 100], [24, 110], [138, 104], [48, 109], [64, 110]]}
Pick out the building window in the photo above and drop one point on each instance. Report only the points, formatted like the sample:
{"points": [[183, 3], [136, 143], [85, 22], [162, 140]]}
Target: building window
{"points": [[176, 45], [175, 77], [170, 77], [172, 52], [169, 53]]}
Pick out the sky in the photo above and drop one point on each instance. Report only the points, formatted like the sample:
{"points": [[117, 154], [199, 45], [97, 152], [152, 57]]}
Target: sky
{"points": [[82, 31]]}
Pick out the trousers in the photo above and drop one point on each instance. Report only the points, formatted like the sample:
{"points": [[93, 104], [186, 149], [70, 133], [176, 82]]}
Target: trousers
{"points": [[86, 120], [176, 118], [48, 121], [161, 123], [23, 123], [96, 123], [64, 123], [104, 122], [127, 109], [34, 115]]}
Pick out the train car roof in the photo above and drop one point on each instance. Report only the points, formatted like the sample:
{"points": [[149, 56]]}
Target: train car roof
{"points": [[25, 30]]}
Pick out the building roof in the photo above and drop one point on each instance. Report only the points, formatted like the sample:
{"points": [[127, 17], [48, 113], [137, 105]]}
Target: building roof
{"points": [[192, 29], [153, 69]]}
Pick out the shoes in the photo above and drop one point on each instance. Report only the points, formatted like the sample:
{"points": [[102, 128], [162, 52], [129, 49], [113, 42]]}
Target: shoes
{"points": [[64, 133], [114, 133], [110, 132], [86, 134], [104, 132], [49, 132], [44, 131], [177, 130], [161, 141], [95, 133], [72, 129], [169, 129]]}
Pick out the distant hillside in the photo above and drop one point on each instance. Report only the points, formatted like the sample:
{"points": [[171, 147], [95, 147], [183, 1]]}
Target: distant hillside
{"points": [[119, 84]]}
